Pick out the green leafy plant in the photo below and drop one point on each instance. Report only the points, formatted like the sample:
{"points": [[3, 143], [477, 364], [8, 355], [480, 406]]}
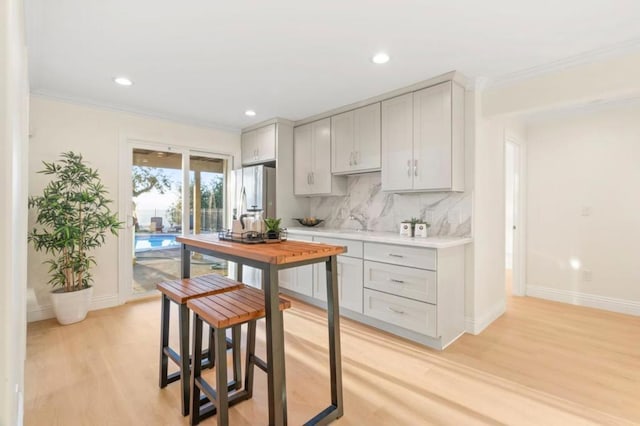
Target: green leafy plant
{"points": [[272, 224], [73, 217]]}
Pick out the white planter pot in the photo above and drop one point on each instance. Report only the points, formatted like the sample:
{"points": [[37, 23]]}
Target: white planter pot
{"points": [[71, 307]]}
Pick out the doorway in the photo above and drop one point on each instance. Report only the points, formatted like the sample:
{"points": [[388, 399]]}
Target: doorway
{"points": [[514, 218], [154, 178]]}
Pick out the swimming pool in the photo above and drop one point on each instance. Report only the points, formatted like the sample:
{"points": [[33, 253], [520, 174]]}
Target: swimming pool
{"points": [[155, 242]]}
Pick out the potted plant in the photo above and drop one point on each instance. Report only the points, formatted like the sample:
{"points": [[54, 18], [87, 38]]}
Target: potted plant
{"points": [[73, 218], [273, 229]]}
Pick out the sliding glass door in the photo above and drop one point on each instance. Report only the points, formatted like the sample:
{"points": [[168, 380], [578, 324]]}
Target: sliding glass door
{"points": [[156, 214]]}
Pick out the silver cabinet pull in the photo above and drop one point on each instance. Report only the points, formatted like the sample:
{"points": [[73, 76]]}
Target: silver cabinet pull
{"points": [[393, 280], [408, 168], [313, 178], [309, 178], [395, 255], [415, 168], [395, 310]]}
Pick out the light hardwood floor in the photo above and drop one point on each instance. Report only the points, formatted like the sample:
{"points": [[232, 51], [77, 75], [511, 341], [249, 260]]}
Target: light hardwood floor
{"points": [[540, 363]]}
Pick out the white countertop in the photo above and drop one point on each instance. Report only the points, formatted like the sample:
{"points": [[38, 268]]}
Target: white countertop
{"points": [[381, 237]]}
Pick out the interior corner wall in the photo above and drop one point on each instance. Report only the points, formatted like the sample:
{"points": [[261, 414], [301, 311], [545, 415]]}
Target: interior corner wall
{"points": [[96, 133], [583, 204], [486, 294], [14, 99]]}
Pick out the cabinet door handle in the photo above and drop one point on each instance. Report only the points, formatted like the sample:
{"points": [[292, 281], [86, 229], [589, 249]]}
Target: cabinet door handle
{"points": [[313, 178], [408, 168], [397, 311], [395, 255], [309, 178], [351, 158], [396, 281], [415, 168]]}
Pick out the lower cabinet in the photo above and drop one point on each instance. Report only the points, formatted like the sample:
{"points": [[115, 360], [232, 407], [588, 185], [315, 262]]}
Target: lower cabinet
{"points": [[298, 279], [349, 283], [406, 313], [413, 292]]}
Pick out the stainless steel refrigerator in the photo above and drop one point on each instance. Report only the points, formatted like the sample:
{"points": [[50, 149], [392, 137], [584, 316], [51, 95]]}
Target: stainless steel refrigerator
{"points": [[255, 188]]}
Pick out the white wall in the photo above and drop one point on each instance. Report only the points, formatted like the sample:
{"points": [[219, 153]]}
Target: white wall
{"points": [[96, 133], [485, 277], [13, 196], [578, 162]]}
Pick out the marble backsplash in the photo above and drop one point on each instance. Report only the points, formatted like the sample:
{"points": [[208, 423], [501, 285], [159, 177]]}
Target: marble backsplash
{"points": [[367, 207]]}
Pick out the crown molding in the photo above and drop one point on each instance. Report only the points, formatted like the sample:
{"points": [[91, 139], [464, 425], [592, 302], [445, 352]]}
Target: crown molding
{"points": [[590, 56], [43, 93]]}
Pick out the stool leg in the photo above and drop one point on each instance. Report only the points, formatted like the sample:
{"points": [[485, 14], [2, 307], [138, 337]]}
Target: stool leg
{"points": [[222, 395], [251, 347], [211, 353], [165, 310], [184, 357], [196, 369], [236, 336]]}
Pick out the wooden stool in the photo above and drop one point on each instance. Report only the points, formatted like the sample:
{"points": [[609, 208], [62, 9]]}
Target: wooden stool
{"points": [[179, 292], [230, 309]]}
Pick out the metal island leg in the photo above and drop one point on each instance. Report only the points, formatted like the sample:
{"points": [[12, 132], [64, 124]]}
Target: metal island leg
{"points": [[275, 349]]}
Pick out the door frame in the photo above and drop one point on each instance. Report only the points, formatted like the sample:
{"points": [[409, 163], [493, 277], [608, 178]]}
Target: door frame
{"points": [[520, 221], [125, 242]]}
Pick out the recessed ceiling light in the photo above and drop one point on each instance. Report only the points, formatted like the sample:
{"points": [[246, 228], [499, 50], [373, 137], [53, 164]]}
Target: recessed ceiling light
{"points": [[250, 113], [123, 81], [380, 58]]}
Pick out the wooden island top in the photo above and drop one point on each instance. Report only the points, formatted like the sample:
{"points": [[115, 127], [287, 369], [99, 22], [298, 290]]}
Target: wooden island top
{"points": [[276, 253]]}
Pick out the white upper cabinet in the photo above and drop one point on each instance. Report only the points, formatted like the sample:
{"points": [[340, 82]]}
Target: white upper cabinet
{"points": [[397, 143], [423, 140], [312, 161], [355, 140], [259, 145]]}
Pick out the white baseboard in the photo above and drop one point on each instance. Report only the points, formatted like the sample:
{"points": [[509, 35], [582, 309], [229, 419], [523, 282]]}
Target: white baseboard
{"points": [[475, 325], [43, 312], [622, 306]]}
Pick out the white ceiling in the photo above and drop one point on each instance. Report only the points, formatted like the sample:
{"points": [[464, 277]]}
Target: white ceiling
{"points": [[207, 61]]}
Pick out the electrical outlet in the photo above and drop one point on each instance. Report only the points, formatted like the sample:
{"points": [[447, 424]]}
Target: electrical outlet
{"points": [[428, 216], [453, 217], [587, 275]]}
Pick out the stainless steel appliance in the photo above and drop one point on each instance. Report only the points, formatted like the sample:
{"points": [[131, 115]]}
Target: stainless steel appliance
{"points": [[255, 190]]}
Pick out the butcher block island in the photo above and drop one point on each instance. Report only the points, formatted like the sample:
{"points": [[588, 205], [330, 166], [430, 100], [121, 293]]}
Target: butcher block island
{"points": [[410, 287]]}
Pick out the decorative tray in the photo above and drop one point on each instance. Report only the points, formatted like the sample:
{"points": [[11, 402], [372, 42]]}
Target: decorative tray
{"points": [[252, 237]]}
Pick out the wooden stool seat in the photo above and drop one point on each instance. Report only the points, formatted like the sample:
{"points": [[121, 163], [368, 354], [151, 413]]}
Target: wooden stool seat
{"points": [[180, 292], [222, 311], [234, 307]]}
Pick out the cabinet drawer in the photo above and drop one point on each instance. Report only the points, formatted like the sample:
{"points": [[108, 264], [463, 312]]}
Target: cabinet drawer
{"points": [[354, 248], [417, 284], [406, 313], [424, 258]]}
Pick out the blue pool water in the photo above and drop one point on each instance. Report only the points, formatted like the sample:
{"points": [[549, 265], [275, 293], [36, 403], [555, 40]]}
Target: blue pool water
{"points": [[155, 242]]}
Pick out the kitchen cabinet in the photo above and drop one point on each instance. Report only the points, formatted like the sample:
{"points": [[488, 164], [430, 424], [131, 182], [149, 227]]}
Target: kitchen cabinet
{"points": [[312, 161], [355, 140], [349, 275], [259, 145], [300, 279], [423, 140], [398, 286], [417, 289]]}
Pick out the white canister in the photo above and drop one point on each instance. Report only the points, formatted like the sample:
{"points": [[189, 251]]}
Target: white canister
{"points": [[405, 228], [421, 230]]}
